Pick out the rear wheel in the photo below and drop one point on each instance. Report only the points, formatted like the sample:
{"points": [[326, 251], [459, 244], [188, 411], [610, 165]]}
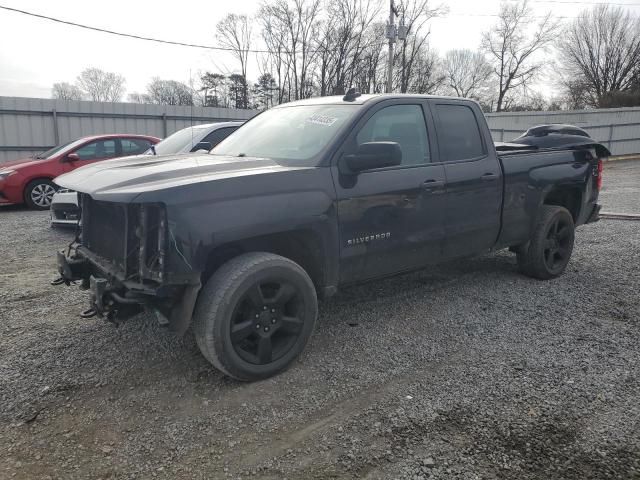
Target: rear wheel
{"points": [[255, 315], [549, 250], [38, 193]]}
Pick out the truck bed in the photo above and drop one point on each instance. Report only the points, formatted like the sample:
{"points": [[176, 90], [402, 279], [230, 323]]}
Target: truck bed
{"points": [[530, 173]]}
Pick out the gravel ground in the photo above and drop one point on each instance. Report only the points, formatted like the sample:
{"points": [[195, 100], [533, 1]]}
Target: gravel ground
{"points": [[468, 370], [620, 190]]}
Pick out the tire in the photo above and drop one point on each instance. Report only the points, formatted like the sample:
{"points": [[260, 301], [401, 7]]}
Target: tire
{"points": [[270, 304], [548, 252], [38, 194]]}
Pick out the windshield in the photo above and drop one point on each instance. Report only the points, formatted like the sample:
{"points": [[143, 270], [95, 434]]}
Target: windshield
{"points": [[59, 149], [180, 141], [296, 133]]}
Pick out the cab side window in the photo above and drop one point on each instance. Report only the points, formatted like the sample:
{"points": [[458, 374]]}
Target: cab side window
{"points": [[97, 150], [458, 133], [403, 124]]}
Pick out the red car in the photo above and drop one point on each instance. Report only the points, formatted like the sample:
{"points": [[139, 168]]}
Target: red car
{"points": [[30, 180]]}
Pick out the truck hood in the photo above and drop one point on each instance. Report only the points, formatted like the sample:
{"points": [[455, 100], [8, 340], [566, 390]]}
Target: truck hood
{"points": [[136, 175]]}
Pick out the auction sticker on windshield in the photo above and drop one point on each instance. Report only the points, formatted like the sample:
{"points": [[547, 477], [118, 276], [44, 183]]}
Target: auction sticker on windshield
{"points": [[323, 120]]}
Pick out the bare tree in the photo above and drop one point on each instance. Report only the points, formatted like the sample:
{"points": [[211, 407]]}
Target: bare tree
{"points": [[467, 73], [426, 73], [601, 51], [101, 86], [66, 91], [291, 29], [234, 33], [512, 45], [274, 35], [370, 69], [576, 94], [343, 42], [168, 92], [415, 14]]}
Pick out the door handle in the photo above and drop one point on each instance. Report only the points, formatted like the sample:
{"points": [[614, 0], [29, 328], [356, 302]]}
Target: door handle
{"points": [[432, 184], [488, 177]]}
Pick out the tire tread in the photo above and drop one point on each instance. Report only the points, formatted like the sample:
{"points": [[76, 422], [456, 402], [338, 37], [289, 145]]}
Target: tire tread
{"points": [[530, 261], [212, 296]]}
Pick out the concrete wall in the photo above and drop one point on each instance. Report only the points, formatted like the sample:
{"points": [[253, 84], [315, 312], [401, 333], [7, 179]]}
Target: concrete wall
{"points": [[616, 128], [32, 125]]}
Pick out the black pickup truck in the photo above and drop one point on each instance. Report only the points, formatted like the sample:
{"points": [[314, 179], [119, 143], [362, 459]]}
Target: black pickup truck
{"points": [[311, 196]]}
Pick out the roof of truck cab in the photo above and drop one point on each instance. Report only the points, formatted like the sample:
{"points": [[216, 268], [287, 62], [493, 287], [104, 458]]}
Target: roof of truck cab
{"points": [[364, 98]]}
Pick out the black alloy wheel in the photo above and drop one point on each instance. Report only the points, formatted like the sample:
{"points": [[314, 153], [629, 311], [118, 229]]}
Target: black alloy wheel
{"points": [[267, 321], [558, 244], [547, 254], [255, 315]]}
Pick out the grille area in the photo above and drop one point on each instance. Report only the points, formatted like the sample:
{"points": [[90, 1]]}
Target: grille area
{"points": [[104, 229], [130, 237]]}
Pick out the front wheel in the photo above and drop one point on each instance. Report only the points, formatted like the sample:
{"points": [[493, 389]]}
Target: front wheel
{"points": [[38, 194], [549, 250], [255, 315]]}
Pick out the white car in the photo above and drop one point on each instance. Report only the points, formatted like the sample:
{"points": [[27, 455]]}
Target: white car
{"points": [[64, 204], [64, 208]]}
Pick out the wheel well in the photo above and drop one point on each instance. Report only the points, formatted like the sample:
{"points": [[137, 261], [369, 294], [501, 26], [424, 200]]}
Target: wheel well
{"points": [[567, 197], [302, 246]]}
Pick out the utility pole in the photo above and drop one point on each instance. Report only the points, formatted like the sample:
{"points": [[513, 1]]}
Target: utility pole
{"points": [[391, 35]]}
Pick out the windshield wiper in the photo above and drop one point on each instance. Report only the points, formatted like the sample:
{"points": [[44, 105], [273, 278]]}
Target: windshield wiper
{"points": [[242, 155]]}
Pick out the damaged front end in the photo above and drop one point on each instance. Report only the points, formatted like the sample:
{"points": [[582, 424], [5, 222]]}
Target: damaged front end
{"points": [[123, 257]]}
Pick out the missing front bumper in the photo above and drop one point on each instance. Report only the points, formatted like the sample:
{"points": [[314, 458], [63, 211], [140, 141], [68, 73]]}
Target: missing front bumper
{"points": [[116, 299], [108, 298]]}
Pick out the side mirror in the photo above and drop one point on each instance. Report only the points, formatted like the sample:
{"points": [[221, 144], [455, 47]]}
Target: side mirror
{"points": [[202, 146], [72, 157], [372, 155]]}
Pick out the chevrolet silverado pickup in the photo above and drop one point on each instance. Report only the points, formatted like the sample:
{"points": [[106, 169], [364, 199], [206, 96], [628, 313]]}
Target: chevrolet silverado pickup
{"points": [[311, 196]]}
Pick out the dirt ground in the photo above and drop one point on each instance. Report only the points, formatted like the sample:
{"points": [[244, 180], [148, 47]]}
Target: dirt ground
{"points": [[468, 370]]}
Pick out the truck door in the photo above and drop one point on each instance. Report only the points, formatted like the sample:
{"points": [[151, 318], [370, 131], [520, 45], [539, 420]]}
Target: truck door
{"points": [[474, 178], [391, 219]]}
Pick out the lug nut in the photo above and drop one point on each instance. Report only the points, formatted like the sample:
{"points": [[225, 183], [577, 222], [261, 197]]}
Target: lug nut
{"points": [[273, 310], [273, 320], [266, 329], [257, 315], [264, 308], [258, 326]]}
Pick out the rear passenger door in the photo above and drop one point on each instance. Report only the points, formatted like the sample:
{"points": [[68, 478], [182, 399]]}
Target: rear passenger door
{"points": [[474, 179]]}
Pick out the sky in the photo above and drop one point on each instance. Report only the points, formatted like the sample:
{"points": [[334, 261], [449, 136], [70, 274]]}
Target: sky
{"points": [[35, 53]]}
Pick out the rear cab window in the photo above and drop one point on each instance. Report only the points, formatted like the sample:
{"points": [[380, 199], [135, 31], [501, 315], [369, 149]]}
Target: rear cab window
{"points": [[459, 136]]}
